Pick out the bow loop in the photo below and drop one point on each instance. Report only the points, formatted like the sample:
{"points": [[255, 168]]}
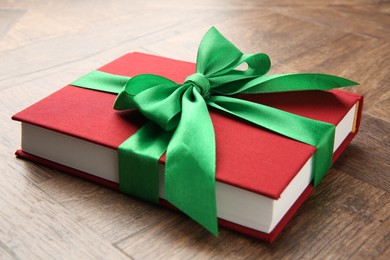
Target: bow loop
{"points": [[218, 60], [161, 104], [134, 86], [229, 82], [157, 98], [215, 53], [258, 64]]}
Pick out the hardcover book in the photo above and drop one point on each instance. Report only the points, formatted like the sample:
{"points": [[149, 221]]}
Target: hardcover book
{"points": [[262, 177]]}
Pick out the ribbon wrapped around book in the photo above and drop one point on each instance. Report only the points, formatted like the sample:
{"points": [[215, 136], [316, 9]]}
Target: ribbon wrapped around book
{"points": [[180, 126]]}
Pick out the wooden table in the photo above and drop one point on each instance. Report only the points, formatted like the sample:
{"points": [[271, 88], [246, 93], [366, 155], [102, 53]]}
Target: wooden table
{"points": [[46, 44]]}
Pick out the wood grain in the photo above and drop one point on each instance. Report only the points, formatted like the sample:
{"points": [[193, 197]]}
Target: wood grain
{"points": [[374, 140], [44, 45]]}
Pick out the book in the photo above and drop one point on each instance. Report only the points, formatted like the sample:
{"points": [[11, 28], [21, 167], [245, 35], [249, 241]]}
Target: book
{"points": [[262, 178]]}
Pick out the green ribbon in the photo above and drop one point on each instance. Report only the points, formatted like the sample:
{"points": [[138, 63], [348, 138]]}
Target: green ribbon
{"points": [[180, 124]]}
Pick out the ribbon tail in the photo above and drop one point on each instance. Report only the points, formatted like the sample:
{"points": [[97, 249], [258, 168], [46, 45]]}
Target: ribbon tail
{"points": [[190, 164], [309, 131], [138, 159]]}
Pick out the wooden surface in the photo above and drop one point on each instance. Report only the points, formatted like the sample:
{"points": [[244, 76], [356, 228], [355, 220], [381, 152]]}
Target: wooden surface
{"points": [[44, 45]]}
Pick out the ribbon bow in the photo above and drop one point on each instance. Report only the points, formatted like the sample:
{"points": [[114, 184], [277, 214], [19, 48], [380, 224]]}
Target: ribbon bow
{"points": [[180, 124]]}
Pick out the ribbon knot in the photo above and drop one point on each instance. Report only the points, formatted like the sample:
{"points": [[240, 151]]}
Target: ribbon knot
{"points": [[200, 82]]}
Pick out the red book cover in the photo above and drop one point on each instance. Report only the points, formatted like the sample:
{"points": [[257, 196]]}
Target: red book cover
{"points": [[248, 157]]}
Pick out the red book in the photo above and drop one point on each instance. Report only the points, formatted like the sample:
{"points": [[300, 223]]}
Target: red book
{"points": [[262, 177]]}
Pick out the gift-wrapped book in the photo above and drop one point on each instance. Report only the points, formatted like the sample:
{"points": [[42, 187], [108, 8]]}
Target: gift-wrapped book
{"points": [[261, 176]]}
